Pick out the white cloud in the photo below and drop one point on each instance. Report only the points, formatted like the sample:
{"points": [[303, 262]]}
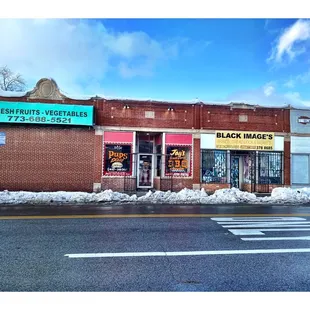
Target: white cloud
{"points": [[287, 43], [258, 96], [78, 54], [268, 89], [298, 79], [296, 100], [290, 83], [128, 71], [304, 77]]}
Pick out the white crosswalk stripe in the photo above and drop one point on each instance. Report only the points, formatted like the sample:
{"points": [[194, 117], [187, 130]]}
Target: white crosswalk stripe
{"points": [[258, 226]]}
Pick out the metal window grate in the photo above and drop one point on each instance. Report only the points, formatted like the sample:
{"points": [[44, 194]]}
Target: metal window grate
{"points": [[213, 166]]}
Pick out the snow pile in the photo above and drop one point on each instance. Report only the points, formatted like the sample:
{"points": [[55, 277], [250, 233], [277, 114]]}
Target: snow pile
{"points": [[290, 195], [109, 196], [231, 195], [185, 196], [21, 197]]}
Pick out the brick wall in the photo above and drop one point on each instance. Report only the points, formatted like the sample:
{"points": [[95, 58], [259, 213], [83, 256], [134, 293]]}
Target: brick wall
{"points": [[260, 119], [113, 183], [157, 183], [98, 157], [246, 187], [112, 113], [47, 159], [211, 188], [196, 161], [119, 184], [176, 184], [260, 188]]}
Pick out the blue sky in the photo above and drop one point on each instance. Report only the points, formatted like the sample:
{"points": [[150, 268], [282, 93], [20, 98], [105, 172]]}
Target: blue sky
{"points": [[259, 61]]}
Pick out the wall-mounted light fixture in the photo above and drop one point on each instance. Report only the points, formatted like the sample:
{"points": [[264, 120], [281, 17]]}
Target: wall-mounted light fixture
{"points": [[126, 106], [170, 109]]}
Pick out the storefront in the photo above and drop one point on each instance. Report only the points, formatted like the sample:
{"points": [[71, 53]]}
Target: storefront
{"points": [[250, 161], [146, 160], [300, 148], [46, 145], [52, 142]]}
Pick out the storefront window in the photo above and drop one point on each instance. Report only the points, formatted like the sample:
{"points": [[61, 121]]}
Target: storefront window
{"points": [[177, 160], [117, 158], [214, 166], [269, 168], [300, 169]]}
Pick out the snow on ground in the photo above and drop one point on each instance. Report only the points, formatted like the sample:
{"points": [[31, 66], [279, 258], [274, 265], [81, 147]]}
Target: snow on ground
{"points": [[291, 195], [185, 196]]}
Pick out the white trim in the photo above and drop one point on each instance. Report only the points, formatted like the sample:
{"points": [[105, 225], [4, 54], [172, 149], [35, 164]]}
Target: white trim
{"points": [[99, 132], [163, 151], [102, 156]]}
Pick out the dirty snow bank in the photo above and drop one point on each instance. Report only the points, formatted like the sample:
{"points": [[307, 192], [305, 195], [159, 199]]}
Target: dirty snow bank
{"points": [[290, 195], [231, 195], [185, 196], [21, 197]]}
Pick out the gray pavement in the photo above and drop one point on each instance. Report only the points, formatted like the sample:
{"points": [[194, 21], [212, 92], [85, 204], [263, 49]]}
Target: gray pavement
{"points": [[33, 252]]}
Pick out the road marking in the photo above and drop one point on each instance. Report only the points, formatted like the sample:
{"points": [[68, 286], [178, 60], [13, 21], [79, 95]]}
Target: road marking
{"points": [[259, 231], [190, 253], [276, 238], [273, 224], [256, 226], [108, 216], [260, 219]]}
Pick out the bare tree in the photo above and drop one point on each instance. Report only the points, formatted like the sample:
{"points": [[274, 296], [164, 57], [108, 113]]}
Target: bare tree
{"points": [[10, 81]]}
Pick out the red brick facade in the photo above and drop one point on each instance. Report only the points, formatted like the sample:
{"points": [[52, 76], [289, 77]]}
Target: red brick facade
{"points": [[50, 158], [258, 119], [112, 113], [47, 159]]}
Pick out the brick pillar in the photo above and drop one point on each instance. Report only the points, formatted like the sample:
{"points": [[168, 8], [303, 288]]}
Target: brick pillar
{"points": [[287, 162], [97, 160], [196, 161]]}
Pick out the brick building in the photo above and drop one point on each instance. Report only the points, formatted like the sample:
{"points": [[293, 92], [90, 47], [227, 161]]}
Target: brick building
{"points": [[125, 145]]}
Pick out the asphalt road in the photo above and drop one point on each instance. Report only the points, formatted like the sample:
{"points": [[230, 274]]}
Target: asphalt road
{"points": [[35, 250]]}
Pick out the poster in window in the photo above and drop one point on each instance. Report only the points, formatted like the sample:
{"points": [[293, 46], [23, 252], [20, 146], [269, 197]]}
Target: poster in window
{"points": [[145, 170], [177, 159], [117, 158]]}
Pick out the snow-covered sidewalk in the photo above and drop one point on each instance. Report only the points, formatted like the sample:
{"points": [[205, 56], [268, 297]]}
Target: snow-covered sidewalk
{"points": [[185, 196]]}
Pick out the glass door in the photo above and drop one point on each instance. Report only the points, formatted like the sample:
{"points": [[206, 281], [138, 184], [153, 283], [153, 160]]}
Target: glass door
{"points": [[145, 171], [234, 172]]}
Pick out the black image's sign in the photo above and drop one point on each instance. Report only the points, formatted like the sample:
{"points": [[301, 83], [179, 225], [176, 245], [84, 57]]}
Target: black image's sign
{"points": [[117, 158], [177, 161]]}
